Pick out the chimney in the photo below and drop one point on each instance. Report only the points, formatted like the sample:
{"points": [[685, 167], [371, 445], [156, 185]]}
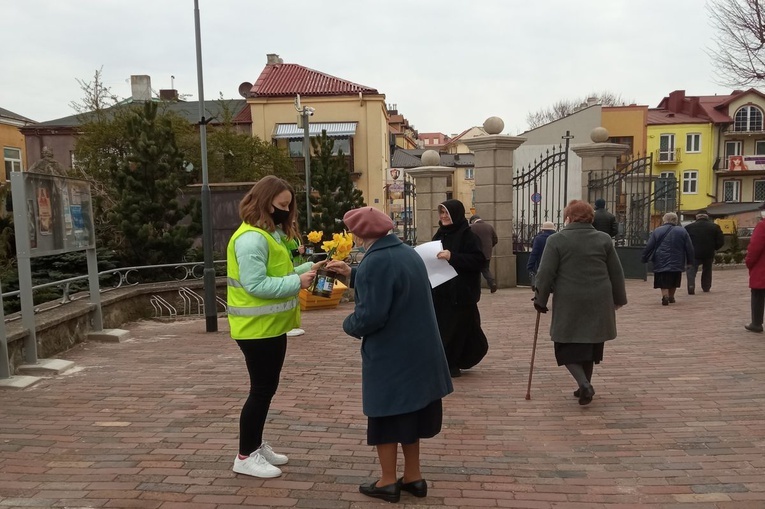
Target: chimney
{"points": [[592, 101], [140, 87], [676, 99], [273, 59], [168, 94]]}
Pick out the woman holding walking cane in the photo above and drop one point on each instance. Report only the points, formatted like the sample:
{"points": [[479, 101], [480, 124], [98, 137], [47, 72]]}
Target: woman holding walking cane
{"points": [[581, 265]]}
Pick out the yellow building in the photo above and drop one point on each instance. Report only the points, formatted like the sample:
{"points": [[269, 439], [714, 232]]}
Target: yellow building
{"points": [[626, 125], [354, 115], [12, 142]]}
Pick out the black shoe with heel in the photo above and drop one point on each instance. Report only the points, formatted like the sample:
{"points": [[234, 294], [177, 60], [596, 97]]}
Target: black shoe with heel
{"points": [[586, 392], [416, 488], [389, 493]]}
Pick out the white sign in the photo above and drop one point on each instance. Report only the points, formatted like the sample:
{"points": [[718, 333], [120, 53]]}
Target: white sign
{"points": [[439, 271]]}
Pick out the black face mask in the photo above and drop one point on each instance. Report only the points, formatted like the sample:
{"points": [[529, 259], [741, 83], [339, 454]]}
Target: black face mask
{"points": [[280, 216]]}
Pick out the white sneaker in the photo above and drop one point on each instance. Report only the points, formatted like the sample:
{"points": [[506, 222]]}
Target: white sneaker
{"points": [[272, 457], [295, 332], [256, 466]]}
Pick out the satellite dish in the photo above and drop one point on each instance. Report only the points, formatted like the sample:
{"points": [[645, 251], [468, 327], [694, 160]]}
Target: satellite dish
{"points": [[244, 89]]}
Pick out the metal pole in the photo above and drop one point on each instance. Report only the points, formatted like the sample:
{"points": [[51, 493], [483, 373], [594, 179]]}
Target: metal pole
{"points": [[307, 156], [24, 265], [211, 315], [5, 363], [95, 290], [565, 177]]}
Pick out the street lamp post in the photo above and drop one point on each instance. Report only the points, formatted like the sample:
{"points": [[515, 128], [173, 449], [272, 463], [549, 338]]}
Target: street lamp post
{"points": [[211, 315], [305, 112]]}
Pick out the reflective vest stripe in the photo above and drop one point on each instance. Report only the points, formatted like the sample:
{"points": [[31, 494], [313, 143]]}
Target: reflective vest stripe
{"points": [[262, 310], [233, 282]]}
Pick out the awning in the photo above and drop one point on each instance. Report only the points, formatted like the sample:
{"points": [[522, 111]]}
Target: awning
{"points": [[334, 130]]}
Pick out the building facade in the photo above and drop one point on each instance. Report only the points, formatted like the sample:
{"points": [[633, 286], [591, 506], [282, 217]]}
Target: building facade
{"points": [[12, 142]]}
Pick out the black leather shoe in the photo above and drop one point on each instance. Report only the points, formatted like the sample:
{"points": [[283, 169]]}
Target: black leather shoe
{"points": [[389, 493], [691, 291], [416, 488], [753, 328], [586, 392], [455, 372], [577, 393], [671, 300]]}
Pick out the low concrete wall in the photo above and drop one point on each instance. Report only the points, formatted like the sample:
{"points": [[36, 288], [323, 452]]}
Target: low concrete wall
{"points": [[60, 328]]}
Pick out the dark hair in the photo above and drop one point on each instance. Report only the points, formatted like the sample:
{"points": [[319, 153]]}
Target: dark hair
{"points": [[579, 211], [255, 207]]}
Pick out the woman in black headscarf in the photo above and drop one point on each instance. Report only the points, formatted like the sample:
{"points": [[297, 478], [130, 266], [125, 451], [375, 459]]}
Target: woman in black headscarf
{"points": [[456, 301]]}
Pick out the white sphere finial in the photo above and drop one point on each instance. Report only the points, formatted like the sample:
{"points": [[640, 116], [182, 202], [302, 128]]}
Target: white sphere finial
{"points": [[431, 158], [493, 125], [599, 135]]}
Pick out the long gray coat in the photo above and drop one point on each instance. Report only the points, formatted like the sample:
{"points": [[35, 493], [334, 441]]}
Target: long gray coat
{"points": [[580, 265], [403, 365]]}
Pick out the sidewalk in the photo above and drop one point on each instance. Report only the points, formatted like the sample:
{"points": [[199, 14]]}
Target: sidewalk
{"points": [[678, 420]]}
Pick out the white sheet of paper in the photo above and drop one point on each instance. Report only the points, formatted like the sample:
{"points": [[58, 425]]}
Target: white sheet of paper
{"points": [[439, 271]]}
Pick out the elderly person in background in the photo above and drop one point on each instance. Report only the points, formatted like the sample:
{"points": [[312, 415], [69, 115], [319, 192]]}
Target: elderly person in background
{"points": [[671, 251], [488, 238], [537, 248], [755, 262], [580, 262], [404, 373], [706, 237]]}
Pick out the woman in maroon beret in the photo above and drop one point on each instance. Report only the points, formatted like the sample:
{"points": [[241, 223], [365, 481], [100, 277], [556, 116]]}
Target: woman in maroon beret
{"points": [[404, 373]]}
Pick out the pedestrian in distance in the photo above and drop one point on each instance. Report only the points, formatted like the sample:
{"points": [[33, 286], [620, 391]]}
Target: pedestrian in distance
{"points": [[456, 301], [537, 248], [604, 221], [671, 251], [706, 237], [488, 238], [404, 373], [580, 263], [755, 262], [262, 290]]}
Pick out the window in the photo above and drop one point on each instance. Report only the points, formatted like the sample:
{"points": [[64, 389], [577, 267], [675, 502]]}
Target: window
{"points": [[448, 181], [469, 175], [449, 195], [667, 147], [296, 148], [12, 158], [732, 190], [693, 142], [759, 190], [759, 148], [690, 182], [732, 148], [343, 144], [748, 118]]}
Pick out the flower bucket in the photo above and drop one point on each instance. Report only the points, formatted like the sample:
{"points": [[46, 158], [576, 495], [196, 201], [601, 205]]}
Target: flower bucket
{"points": [[309, 302]]}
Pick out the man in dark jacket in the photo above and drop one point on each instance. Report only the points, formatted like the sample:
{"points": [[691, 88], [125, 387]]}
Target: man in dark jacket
{"points": [[604, 220], [707, 237], [488, 237]]}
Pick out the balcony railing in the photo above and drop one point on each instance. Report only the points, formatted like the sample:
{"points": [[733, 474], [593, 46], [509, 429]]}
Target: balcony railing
{"points": [[667, 156]]}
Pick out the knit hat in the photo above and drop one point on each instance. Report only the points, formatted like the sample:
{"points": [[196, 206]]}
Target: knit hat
{"points": [[368, 222], [548, 225]]}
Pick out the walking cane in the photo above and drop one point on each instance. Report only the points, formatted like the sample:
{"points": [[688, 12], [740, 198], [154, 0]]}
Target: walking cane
{"points": [[533, 353]]}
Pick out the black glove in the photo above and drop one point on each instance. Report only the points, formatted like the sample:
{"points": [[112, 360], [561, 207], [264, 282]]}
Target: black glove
{"points": [[539, 307]]}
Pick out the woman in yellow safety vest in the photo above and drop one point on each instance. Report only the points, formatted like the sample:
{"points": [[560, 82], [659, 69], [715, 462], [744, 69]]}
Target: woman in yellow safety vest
{"points": [[262, 289]]}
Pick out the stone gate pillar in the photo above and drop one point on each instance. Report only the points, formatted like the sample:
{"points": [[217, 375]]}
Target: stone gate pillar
{"points": [[494, 193], [597, 156], [430, 186]]}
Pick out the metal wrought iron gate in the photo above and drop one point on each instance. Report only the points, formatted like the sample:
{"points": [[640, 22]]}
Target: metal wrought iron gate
{"points": [[408, 215]]}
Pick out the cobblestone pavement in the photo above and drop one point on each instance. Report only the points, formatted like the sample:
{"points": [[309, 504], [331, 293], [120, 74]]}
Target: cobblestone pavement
{"points": [[678, 419]]}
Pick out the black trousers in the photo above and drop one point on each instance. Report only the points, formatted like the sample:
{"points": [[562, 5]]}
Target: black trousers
{"points": [[758, 306], [486, 273], [706, 273], [264, 359]]}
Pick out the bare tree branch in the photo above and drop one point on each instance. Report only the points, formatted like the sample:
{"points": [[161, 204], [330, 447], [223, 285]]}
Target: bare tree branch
{"points": [[565, 107], [739, 56]]}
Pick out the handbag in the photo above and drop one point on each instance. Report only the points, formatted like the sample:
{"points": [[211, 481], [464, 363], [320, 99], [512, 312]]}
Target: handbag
{"points": [[649, 256]]}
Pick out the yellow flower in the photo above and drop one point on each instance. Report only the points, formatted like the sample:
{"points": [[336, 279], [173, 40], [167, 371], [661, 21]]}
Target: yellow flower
{"points": [[339, 248], [315, 236]]}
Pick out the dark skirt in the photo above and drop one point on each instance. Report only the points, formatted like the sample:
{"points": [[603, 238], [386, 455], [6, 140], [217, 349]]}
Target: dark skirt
{"points": [[666, 280], [405, 428], [578, 353]]}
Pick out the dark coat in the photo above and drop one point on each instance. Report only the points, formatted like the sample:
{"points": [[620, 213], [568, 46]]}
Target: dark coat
{"points": [[403, 366], [674, 252], [486, 234], [755, 257], [605, 221], [582, 265], [456, 301], [537, 247], [706, 237]]}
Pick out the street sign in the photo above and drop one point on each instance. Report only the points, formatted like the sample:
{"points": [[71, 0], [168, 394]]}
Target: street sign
{"points": [[536, 197]]}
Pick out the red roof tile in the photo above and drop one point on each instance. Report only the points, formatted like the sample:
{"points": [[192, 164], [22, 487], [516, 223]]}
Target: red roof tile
{"points": [[279, 80], [658, 116]]}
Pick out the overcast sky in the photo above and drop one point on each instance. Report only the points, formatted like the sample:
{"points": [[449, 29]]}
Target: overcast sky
{"points": [[447, 64]]}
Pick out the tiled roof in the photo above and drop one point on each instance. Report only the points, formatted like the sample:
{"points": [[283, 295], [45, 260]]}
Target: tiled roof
{"points": [[188, 110], [279, 80], [412, 158], [658, 116], [14, 116]]}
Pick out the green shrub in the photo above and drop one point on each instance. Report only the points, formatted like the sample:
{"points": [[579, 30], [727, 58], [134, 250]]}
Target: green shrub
{"points": [[727, 257], [738, 256], [718, 257]]}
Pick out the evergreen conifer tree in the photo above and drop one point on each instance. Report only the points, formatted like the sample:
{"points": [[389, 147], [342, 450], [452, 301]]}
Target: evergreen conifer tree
{"points": [[149, 183], [334, 192]]}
